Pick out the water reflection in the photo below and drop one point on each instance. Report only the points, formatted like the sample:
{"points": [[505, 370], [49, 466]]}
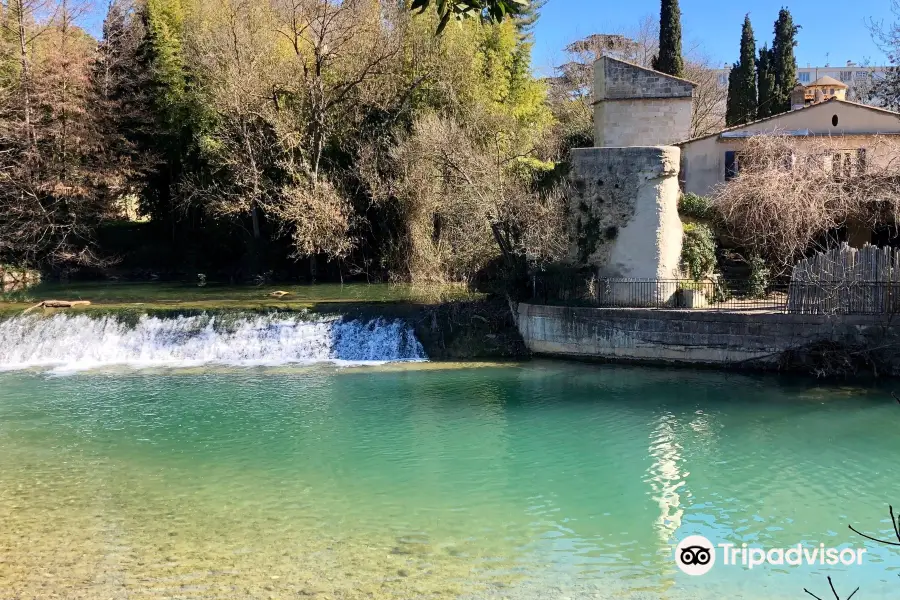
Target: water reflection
{"points": [[666, 478], [534, 481]]}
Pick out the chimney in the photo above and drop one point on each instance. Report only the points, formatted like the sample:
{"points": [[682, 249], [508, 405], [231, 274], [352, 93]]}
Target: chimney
{"points": [[798, 97]]}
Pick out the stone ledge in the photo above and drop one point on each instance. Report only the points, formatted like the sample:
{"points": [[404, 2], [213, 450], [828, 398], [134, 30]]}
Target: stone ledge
{"points": [[759, 318], [683, 336]]}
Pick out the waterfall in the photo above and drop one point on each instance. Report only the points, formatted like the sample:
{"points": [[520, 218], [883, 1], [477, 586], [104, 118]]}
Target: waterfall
{"points": [[66, 342]]}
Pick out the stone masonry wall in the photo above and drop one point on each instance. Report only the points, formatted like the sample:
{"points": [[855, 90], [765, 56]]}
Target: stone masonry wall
{"points": [[643, 122], [617, 79], [623, 212], [639, 107], [684, 337]]}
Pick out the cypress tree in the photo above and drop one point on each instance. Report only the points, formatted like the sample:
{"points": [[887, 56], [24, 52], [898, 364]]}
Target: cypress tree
{"points": [[783, 62], [741, 104], [731, 101], [669, 58], [765, 81]]}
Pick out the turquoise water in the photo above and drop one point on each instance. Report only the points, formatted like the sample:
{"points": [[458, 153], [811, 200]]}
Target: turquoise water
{"points": [[535, 480]]}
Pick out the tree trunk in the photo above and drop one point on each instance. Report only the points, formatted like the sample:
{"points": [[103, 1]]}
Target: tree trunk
{"points": [[254, 216], [26, 74]]}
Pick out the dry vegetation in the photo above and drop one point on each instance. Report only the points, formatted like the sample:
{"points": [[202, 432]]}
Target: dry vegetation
{"points": [[459, 198], [792, 193]]}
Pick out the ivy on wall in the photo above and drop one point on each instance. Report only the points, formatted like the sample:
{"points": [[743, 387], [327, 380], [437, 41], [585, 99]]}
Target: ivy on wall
{"points": [[698, 251]]}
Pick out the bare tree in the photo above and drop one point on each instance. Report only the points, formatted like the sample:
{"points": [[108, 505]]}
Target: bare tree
{"points": [[886, 90], [342, 51], [460, 197], [55, 185], [791, 193], [276, 112], [708, 111]]}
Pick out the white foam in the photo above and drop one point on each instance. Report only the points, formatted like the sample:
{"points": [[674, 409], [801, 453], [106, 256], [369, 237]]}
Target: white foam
{"points": [[66, 343]]}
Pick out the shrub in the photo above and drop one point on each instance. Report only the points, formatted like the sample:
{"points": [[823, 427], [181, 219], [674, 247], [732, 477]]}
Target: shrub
{"points": [[759, 277], [694, 206], [790, 194], [698, 251]]}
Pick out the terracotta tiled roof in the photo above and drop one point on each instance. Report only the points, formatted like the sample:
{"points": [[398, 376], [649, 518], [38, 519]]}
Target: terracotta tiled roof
{"points": [[827, 81]]}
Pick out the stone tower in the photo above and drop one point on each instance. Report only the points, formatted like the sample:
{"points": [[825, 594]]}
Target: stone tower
{"points": [[623, 212], [634, 106]]}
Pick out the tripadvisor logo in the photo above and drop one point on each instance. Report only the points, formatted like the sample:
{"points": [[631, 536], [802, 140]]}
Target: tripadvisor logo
{"points": [[696, 555]]}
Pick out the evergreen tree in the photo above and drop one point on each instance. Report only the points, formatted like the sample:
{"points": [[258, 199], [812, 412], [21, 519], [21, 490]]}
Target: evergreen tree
{"points": [[765, 81], [731, 101], [669, 59], [120, 100], [527, 18], [783, 62], [176, 114], [741, 105]]}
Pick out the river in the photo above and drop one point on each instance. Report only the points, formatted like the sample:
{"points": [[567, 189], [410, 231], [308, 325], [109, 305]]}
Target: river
{"points": [[190, 461]]}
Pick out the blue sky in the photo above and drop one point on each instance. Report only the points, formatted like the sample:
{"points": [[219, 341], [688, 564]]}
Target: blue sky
{"points": [[830, 31]]}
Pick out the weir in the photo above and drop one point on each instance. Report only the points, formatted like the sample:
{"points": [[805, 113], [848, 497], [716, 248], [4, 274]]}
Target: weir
{"points": [[77, 342]]}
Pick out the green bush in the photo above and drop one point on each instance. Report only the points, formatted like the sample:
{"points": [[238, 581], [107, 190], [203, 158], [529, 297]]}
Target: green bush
{"points": [[759, 277], [694, 206], [698, 251]]}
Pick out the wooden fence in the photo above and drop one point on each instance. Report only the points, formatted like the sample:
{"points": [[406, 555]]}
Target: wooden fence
{"points": [[847, 280]]}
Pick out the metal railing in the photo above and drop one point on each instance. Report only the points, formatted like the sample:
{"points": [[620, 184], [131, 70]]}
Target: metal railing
{"points": [[822, 297]]}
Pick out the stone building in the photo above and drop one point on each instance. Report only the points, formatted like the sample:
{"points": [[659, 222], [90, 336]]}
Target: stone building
{"points": [[712, 159], [623, 213], [635, 106]]}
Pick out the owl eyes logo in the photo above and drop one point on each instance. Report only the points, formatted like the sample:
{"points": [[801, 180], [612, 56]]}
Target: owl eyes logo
{"points": [[695, 555]]}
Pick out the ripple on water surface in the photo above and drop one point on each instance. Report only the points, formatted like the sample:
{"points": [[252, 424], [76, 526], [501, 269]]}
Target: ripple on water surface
{"points": [[539, 480]]}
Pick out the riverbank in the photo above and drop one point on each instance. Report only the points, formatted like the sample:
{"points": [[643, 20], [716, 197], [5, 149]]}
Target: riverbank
{"points": [[455, 324], [821, 345]]}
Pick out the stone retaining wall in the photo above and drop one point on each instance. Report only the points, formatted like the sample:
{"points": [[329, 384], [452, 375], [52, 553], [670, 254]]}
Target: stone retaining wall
{"points": [[695, 337]]}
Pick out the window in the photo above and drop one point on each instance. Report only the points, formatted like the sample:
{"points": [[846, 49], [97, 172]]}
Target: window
{"points": [[846, 76], [846, 163], [731, 165], [834, 121], [861, 74], [723, 79], [804, 77]]}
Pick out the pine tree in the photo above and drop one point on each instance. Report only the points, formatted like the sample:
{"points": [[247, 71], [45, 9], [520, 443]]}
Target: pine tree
{"points": [[784, 64], [765, 81], [741, 105], [121, 100], [176, 114], [669, 59], [526, 20]]}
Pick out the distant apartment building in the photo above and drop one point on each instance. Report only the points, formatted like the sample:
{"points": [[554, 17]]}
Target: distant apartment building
{"points": [[856, 77]]}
